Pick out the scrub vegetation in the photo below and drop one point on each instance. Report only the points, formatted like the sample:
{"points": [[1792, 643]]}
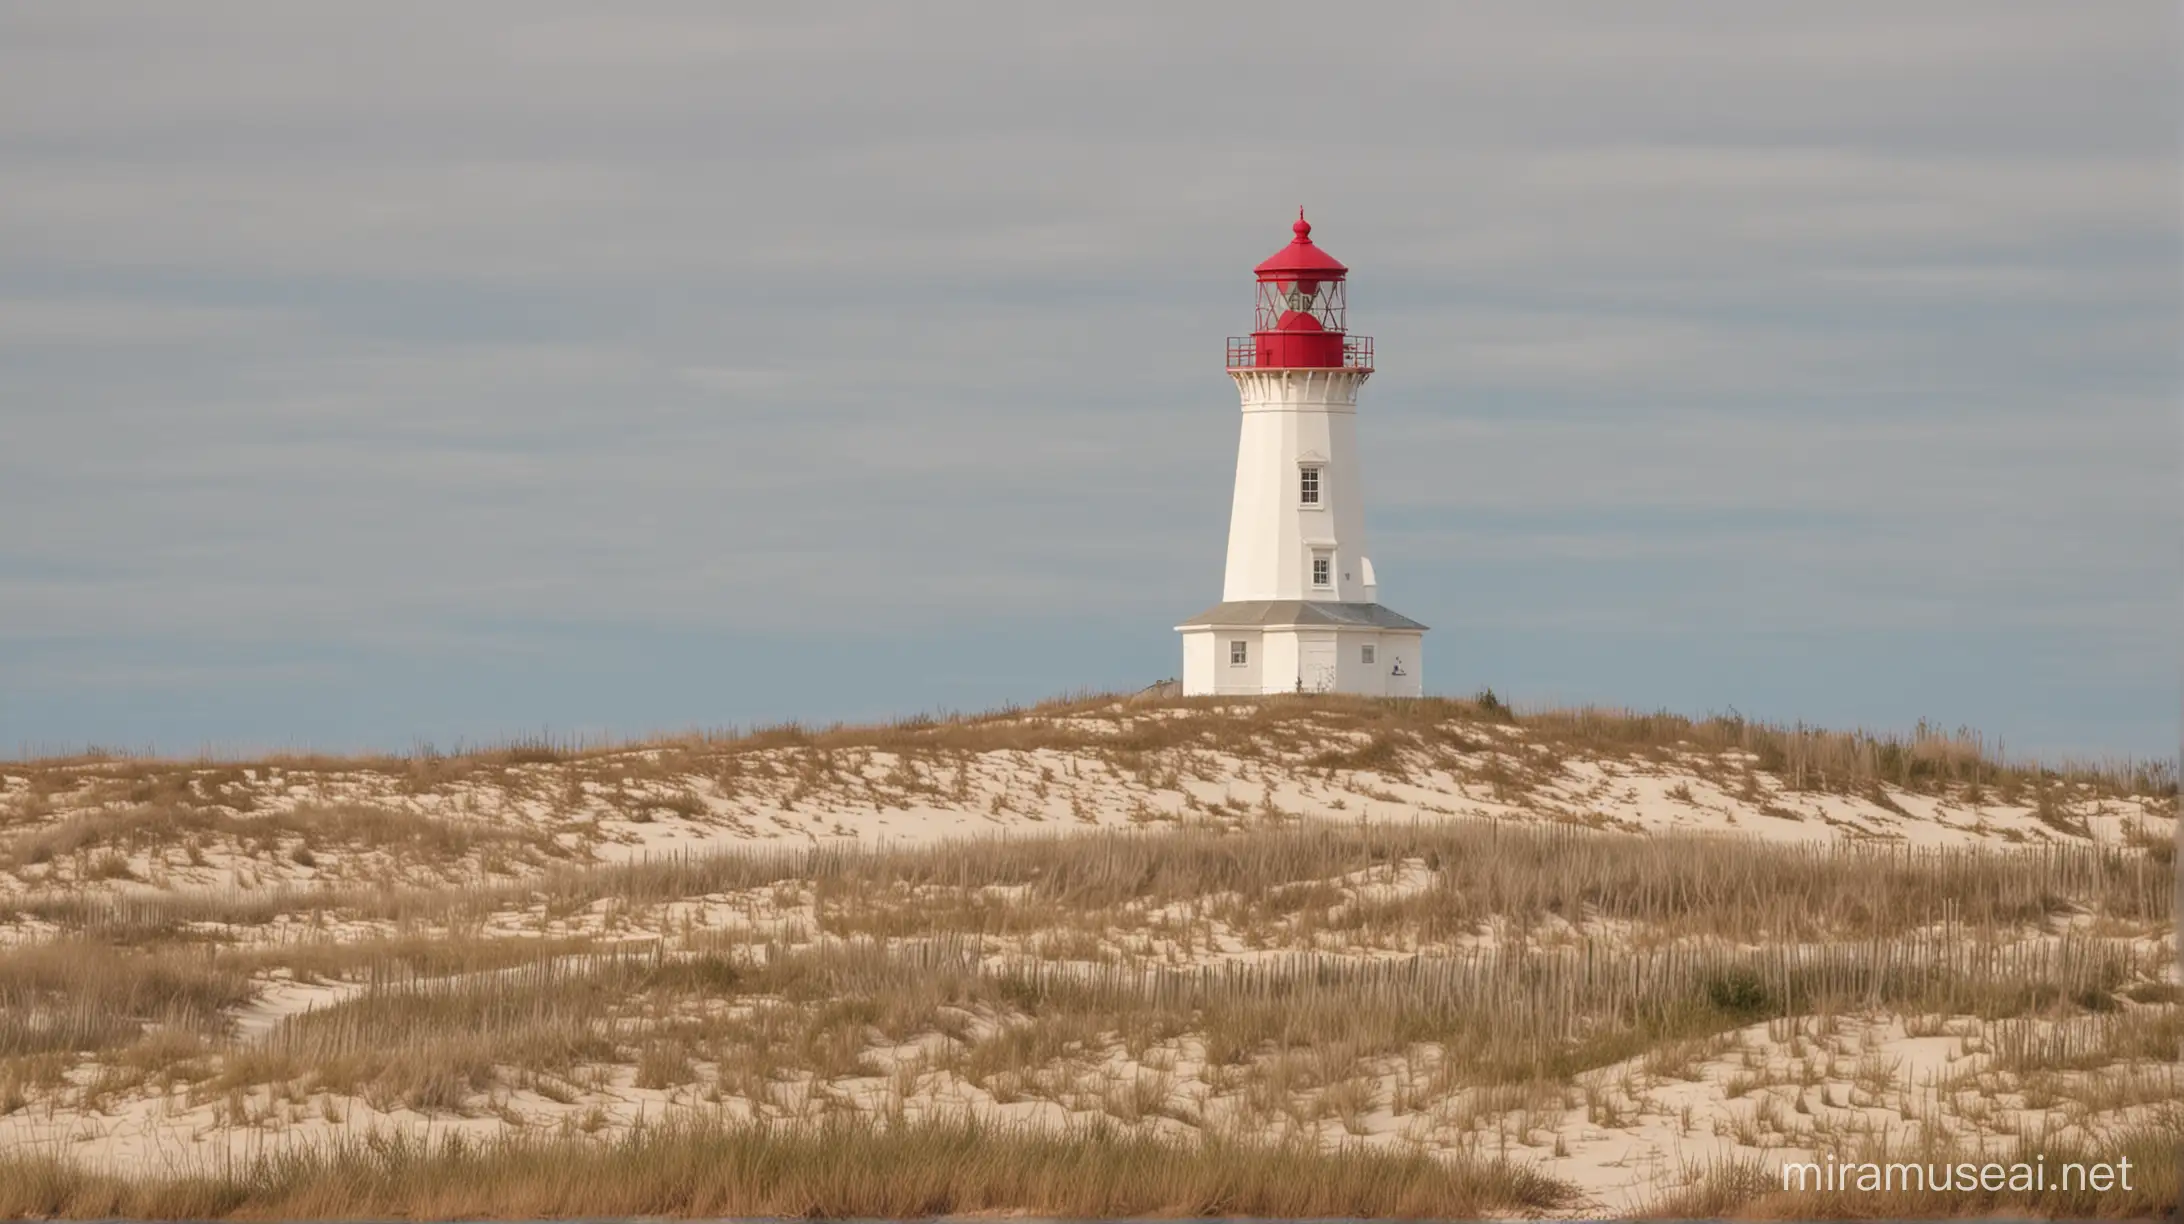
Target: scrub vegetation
{"points": [[1310, 956]]}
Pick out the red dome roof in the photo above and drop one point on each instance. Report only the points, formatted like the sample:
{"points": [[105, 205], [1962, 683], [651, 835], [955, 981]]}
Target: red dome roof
{"points": [[1301, 258]]}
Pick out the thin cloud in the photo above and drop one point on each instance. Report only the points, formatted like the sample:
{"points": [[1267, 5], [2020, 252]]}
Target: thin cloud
{"points": [[391, 328]]}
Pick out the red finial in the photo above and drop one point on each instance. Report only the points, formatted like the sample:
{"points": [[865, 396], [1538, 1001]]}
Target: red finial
{"points": [[1301, 255]]}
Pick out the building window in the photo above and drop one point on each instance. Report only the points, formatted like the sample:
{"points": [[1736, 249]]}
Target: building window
{"points": [[1239, 653], [1322, 568], [1308, 486], [1368, 653]]}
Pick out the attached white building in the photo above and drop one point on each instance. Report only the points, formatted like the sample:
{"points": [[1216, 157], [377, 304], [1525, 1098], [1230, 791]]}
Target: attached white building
{"points": [[1300, 606]]}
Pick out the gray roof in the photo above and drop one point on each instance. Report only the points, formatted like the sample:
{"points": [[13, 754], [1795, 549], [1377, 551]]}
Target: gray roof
{"points": [[1265, 613]]}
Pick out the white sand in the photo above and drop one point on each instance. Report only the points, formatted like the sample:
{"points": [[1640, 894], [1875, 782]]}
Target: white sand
{"points": [[1642, 1131]]}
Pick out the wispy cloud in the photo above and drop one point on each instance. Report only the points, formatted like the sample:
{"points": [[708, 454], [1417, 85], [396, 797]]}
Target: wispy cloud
{"points": [[406, 327]]}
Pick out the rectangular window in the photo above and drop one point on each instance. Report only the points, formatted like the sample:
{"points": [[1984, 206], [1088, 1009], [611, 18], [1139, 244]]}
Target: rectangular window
{"points": [[1239, 653], [1308, 486], [1321, 575], [1368, 653]]}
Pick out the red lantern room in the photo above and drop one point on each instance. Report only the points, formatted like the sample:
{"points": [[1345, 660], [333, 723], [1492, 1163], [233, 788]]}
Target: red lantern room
{"points": [[1299, 322]]}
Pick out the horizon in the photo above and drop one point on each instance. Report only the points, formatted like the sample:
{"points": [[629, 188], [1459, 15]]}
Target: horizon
{"points": [[624, 372], [581, 744]]}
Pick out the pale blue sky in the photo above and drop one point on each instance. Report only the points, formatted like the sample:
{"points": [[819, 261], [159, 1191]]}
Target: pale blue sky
{"points": [[457, 372]]}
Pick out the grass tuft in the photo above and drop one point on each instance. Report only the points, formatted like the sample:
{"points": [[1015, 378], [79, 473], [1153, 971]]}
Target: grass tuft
{"points": [[835, 1170]]}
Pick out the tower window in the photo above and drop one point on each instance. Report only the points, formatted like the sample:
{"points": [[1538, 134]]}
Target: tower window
{"points": [[1367, 652], [1321, 571], [1308, 486], [1239, 653]]}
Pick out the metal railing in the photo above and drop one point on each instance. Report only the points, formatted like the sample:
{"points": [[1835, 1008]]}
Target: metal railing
{"points": [[1357, 353]]}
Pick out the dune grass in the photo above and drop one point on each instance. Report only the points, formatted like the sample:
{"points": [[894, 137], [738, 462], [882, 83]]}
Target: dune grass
{"points": [[713, 1168], [772, 1027], [1241, 974], [1128, 729], [1052, 941], [1674, 885]]}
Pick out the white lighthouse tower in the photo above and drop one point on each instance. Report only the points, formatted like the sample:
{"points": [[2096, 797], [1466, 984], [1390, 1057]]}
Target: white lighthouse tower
{"points": [[1299, 606]]}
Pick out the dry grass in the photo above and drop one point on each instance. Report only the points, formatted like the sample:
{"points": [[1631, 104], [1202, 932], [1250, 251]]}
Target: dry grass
{"points": [[1130, 730], [439, 1044], [711, 1169], [1670, 885], [104, 840], [912, 935], [1240, 975], [75, 995]]}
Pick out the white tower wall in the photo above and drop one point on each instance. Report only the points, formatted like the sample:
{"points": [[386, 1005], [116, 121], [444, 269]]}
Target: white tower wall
{"points": [[1294, 419]]}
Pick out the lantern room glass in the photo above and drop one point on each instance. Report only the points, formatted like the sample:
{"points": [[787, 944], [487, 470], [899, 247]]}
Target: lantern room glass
{"points": [[1285, 305]]}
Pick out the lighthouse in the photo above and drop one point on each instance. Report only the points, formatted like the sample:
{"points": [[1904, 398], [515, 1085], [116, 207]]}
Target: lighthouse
{"points": [[1300, 603]]}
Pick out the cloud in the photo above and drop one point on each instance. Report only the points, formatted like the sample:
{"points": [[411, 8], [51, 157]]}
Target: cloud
{"points": [[415, 325], [60, 322]]}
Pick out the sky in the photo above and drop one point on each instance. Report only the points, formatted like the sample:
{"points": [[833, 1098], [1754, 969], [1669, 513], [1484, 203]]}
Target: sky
{"points": [[382, 375]]}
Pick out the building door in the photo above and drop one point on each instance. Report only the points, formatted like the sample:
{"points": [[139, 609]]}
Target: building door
{"points": [[1316, 666]]}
